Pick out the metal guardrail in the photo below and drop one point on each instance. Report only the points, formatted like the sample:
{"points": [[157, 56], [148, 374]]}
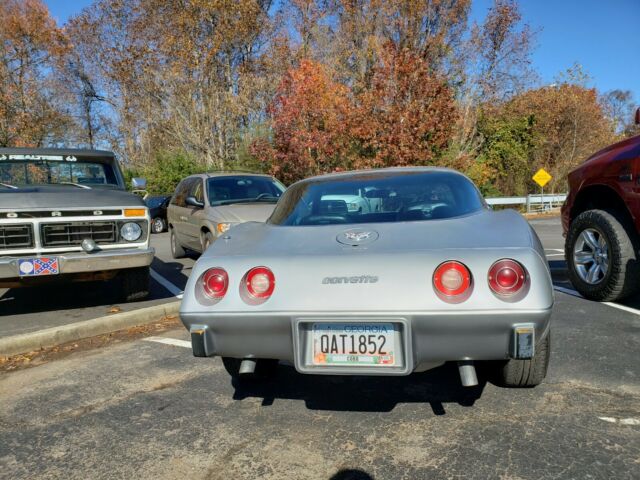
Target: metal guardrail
{"points": [[532, 202]]}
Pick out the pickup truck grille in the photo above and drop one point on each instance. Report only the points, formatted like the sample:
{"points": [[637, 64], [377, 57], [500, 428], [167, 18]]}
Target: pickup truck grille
{"points": [[72, 233], [16, 236]]}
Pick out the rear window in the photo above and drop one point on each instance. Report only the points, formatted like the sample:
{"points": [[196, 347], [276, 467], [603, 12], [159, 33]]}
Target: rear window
{"points": [[378, 197]]}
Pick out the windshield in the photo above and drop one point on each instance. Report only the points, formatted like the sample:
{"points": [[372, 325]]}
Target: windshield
{"points": [[43, 172], [374, 197], [243, 189]]}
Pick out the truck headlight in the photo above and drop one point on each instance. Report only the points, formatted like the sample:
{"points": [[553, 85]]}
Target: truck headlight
{"points": [[130, 231]]}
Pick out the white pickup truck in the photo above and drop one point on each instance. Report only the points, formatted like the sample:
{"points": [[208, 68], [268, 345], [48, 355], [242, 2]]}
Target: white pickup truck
{"points": [[65, 216]]}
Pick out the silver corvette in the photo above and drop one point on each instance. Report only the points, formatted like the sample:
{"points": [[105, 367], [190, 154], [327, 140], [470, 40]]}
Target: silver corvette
{"points": [[432, 276]]}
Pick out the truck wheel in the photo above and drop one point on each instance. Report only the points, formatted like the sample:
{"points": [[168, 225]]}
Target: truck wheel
{"points": [[135, 284], [158, 225], [516, 373], [265, 368], [176, 249], [601, 256]]}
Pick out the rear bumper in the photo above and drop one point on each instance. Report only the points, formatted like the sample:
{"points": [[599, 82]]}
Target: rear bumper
{"points": [[431, 338], [80, 262]]}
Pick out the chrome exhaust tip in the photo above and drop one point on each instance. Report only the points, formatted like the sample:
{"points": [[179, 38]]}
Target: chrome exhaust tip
{"points": [[247, 366], [468, 375]]}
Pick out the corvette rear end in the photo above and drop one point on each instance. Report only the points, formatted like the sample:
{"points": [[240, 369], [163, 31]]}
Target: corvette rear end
{"points": [[435, 276]]}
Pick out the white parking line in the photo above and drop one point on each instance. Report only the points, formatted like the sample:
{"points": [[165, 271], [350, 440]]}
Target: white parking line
{"points": [[569, 291], [169, 341], [621, 421], [166, 284], [554, 250], [554, 254]]}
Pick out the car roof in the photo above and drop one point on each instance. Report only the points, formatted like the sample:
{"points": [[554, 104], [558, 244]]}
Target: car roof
{"points": [[78, 152]]}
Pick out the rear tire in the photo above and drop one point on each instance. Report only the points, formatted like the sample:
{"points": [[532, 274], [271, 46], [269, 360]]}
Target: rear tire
{"points": [[265, 368], [622, 275], [516, 373], [176, 249], [135, 284]]}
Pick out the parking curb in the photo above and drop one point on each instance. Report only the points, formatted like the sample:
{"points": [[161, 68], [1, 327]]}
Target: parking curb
{"points": [[50, 337]]}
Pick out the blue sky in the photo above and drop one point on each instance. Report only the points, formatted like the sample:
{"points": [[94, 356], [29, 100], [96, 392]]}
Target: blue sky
{"points": [[602, 36]]}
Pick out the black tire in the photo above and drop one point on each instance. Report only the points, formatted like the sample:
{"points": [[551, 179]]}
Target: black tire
{"points": [[207, 240], [623, 274], [158, 225], [135, 284], [516, 373], [176, 249], [265, 368]]}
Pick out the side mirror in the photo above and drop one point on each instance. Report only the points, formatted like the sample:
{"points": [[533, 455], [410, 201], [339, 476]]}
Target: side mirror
{"points": [[191, 201], [638, 116], [139, 183]]}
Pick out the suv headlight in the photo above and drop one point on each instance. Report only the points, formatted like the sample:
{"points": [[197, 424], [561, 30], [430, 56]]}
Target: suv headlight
{"points": [[130, 231]]}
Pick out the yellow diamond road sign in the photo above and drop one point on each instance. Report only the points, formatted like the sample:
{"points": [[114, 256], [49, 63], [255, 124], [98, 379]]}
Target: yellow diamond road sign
{"points": [[542, 177]]}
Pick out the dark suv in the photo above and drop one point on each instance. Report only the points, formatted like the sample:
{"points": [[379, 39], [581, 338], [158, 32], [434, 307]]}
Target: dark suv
{"points": [[601, 222]]}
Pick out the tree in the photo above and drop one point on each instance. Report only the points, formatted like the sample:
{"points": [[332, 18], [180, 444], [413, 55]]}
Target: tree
{"points": [[309, 121], [569, 125], [619, 106], [29, 45], [407, 115]]}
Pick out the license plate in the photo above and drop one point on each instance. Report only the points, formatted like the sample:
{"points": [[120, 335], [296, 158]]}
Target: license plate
{"points": [[36, 267], [355, 344]]}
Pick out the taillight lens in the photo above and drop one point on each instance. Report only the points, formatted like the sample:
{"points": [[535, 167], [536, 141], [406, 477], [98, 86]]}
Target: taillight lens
{"points": [[507, 277], [215, 283], [452, 280], [260, 282]]}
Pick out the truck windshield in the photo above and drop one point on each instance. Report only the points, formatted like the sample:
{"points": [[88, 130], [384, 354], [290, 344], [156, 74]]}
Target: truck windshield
{"points": [[43, 172]]}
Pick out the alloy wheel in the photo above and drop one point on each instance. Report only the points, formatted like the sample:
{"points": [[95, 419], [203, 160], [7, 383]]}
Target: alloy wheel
{"points": [[591, 256]]}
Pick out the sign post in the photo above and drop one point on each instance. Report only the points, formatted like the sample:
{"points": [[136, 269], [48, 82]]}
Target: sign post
{"points": [[542, 177]]}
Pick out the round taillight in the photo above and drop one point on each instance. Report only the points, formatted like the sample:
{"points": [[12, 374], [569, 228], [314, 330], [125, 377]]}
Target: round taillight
{"points": [[452, 279], [215, 283], [507, 277], [260, 282]]}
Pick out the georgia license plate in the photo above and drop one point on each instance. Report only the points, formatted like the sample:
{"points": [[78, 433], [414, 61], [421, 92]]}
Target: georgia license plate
{"points": [[35, 267], [354, 344]]}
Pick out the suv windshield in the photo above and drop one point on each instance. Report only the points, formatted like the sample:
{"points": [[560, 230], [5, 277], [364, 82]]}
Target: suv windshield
{"points": [[374, 197], [243, 189], [44, 172]]}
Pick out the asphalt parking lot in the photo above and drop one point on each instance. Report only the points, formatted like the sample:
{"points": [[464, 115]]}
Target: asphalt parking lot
{"points": [[148, 409]]}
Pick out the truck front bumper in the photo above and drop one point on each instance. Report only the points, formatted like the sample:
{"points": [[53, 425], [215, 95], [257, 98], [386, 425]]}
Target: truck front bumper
{"points": [[81, 262]]}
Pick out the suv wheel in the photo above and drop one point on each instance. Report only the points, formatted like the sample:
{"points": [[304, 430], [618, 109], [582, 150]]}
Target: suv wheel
{"points": [[601, 256], [207, 240], [135, 284], [176, 249]]}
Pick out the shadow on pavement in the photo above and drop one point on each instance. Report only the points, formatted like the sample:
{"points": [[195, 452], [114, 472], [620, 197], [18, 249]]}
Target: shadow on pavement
{"points": [[79, 295], [436, 387], [350, 474]]}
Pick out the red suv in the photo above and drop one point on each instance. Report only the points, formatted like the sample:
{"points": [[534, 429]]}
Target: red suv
{"points": [[601, 222]]}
